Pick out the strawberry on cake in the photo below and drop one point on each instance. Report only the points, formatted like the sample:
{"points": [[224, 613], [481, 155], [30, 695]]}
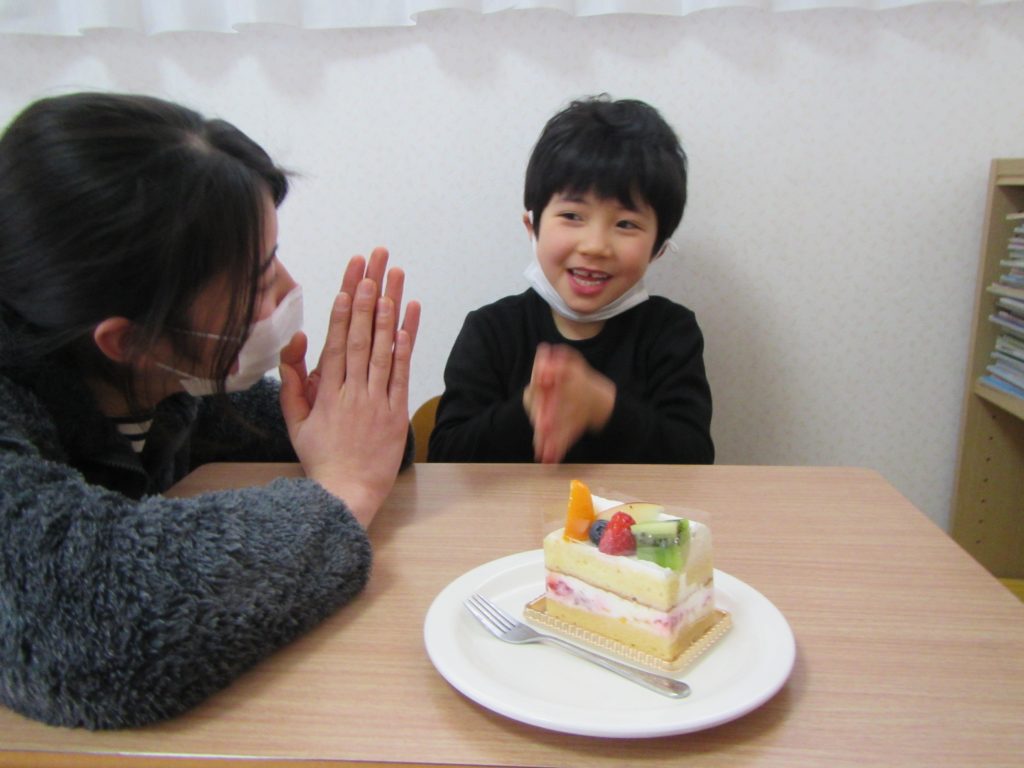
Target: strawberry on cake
{"points": [[632, 574]]}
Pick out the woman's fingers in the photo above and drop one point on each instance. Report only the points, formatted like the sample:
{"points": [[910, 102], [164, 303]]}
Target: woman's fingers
{"points": [[359, 267], [352, 440], [398, 388], [354, 272], [411, 322], [333, 364], [395, 286], [377, 267], [294, 354], [294, 406], [405, 340], [383, 346], [360, 334], [312, 387]]}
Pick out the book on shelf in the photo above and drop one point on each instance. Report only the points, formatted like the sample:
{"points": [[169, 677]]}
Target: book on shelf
{"points": [[1009, 362], [1006, 372], [1009, 322], [1010, 345], [1004, 290], [1016, 306], [1003, 386], [1011, 282]]}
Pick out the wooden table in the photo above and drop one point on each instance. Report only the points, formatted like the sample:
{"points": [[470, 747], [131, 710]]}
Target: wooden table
{"points": [[908, 652]]}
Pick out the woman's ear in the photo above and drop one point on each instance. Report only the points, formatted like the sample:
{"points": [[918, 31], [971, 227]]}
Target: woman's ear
{"points": [[113, 338]]}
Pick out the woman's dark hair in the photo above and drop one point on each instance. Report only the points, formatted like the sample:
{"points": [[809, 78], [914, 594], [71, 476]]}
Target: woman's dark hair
{"points": [[614, 149], [125, 205]]}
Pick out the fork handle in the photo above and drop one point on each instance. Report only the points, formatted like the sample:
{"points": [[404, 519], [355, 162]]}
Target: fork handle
{"points": [[667, 686]]}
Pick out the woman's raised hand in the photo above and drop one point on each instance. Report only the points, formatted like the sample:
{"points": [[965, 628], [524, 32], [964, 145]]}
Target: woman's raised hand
{"points": [[348, 420]]}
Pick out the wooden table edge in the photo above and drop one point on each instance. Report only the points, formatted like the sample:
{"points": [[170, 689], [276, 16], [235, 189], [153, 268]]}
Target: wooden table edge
{"points": [[46, 759]]}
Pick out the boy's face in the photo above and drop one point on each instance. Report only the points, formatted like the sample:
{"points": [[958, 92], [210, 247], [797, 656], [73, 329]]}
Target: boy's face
{"points": [[592, 250]]}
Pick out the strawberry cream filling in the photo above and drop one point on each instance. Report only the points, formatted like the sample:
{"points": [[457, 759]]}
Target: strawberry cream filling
{"points": [[578, 594]]}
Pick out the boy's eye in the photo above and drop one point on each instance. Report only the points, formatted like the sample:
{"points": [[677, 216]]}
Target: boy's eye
{"points": [[570, 216], [627, 224]]}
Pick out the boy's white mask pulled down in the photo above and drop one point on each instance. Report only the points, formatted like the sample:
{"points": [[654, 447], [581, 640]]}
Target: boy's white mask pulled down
{"points": [[260, 353], [637, 293]]}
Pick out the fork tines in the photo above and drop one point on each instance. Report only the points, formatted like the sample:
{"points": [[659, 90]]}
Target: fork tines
{"points": [[488, 614]]}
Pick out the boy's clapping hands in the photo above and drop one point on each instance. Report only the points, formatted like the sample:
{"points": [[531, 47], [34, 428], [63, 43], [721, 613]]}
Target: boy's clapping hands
{"points": [[564, 399]]}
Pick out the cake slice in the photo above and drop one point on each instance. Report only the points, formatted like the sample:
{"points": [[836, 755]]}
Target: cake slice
{"points": [[648, 585]]}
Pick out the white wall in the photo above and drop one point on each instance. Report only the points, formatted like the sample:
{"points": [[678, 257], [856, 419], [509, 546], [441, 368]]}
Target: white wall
{"points": [[839, 160]]}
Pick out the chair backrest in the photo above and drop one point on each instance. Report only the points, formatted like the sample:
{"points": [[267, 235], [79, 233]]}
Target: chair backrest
{"points": [[423, 425]]}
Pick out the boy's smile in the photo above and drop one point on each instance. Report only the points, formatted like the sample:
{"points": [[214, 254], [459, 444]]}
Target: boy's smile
{"points": [[588, 282], [592, 249]]}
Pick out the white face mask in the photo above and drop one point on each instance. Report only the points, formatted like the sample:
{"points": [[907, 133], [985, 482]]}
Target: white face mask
{"points": [[260, 353], [637, 293]]}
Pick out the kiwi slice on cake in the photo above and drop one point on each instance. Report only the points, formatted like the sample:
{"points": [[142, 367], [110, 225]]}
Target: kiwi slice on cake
{"points": [[663, 542]]}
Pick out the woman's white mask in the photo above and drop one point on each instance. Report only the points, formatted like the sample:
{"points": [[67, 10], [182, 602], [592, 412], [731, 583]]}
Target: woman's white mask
{"points": [[260, 353]]}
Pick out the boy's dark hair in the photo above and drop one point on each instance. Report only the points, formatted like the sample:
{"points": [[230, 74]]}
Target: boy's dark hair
{"points": [[126, 205], [614, 149]]}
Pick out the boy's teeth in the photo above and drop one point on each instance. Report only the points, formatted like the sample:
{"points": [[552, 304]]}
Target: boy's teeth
{"points": [[594, 277]]}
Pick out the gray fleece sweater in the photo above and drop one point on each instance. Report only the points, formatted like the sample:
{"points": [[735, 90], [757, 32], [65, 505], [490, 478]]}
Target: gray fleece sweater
{"points": [[120, 607]]}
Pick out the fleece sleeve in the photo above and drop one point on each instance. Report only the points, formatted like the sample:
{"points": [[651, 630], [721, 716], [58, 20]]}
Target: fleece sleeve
{"points": [[251, 429], [117, 613]]}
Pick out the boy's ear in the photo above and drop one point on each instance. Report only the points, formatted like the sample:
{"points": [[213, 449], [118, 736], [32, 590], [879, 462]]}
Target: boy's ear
{"points": [[528, 223], [113, 338]]}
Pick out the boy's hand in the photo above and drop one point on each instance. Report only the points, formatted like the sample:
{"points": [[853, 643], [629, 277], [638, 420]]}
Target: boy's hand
{"points": [[565, 398]]}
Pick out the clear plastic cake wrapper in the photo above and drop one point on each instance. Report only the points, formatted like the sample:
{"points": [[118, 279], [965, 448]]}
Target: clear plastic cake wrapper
{"points": [[535, 613], [554, 514]]}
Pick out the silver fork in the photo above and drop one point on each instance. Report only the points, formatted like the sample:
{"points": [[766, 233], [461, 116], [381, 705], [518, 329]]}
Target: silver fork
{"points": [[506, 628]]}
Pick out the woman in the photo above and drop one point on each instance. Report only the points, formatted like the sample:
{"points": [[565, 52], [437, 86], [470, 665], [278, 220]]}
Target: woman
{"points": [[141, 302]]}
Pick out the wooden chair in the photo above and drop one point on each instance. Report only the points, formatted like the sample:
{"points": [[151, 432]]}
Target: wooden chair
{"points": [[423, 425]]}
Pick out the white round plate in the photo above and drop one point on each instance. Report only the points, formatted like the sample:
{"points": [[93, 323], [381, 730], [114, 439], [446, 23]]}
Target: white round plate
{"points": [[544, 686]]}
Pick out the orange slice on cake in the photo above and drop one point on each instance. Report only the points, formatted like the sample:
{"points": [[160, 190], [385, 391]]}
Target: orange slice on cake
{"points": [[580, 512]]}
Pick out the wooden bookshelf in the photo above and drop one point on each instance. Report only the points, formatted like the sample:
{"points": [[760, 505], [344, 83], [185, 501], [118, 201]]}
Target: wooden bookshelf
{"points": [[988, 513], [1009, 403]]}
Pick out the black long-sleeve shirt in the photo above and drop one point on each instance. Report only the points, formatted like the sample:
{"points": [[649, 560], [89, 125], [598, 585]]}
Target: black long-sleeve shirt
{"points": [[653, 353]]}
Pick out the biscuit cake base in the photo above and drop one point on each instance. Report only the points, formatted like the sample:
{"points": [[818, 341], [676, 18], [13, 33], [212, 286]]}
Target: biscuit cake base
{"points": [[665, 647], [663, 634], [535, 612]]}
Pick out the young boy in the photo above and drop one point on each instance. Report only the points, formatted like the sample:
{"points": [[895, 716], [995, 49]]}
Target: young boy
{"points": [[585, 366]]}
